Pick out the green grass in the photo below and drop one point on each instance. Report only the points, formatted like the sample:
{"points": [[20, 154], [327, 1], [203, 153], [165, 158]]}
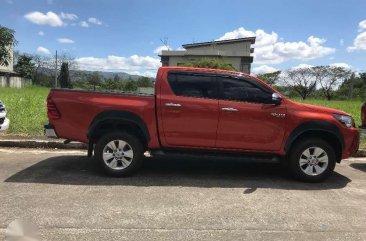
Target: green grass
{"points": [[27, 109], [352, 107]]}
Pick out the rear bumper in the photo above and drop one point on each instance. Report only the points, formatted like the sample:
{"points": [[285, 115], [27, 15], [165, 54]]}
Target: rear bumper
{"points": [[5, 125], [363, 131], [49, 131]]}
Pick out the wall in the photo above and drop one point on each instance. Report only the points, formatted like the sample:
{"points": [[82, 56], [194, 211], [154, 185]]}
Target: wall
{"points": [[14, 82], [229, 49]]}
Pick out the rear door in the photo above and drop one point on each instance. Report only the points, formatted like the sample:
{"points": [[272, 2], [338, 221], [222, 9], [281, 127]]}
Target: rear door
{"points": [[189, 110], [248, 120]]}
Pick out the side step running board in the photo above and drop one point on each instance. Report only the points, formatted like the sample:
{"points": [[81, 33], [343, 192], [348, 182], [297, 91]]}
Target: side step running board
{"points": [[249, 157]]}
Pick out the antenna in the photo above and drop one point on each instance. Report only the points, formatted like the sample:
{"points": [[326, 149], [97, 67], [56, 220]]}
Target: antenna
{"points": [[165, 42]]}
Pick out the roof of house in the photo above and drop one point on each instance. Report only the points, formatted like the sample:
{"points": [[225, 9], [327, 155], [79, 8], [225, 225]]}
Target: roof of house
{"points": [[251, 39]]}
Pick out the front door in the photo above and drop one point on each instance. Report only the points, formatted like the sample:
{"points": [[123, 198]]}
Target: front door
{"points": [[248, 120]]}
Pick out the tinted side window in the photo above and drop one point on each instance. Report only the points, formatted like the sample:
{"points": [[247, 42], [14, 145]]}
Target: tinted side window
{"points": [[241, 90], [192, 85]]}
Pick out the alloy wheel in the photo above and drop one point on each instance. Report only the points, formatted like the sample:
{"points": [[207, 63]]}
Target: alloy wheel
{"points": [[313, 161], [117, 154]]}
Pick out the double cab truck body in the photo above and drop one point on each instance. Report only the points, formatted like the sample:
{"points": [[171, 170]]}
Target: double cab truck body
{"points": [[209, 111]]}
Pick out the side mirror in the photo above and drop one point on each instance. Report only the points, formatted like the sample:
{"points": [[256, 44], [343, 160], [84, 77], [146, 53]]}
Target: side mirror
{"points": [[276, 98]]}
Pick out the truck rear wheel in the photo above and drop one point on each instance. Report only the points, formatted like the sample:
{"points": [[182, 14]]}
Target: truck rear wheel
{"points": [[312, 160], [119, 153]]}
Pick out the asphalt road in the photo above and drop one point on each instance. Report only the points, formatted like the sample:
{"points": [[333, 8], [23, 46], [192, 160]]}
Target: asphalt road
{"points": [[178, 199]]}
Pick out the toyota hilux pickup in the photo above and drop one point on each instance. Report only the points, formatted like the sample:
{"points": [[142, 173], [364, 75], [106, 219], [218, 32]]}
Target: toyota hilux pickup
{"points": [[199, 111], [4, 122]]}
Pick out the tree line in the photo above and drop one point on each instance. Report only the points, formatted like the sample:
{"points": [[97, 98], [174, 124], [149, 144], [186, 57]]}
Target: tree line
{"points": [[330, 82], [41, 70]]}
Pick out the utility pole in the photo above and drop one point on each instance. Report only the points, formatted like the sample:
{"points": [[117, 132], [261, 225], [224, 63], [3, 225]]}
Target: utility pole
{"points": [[56, 71], [351, 84]]}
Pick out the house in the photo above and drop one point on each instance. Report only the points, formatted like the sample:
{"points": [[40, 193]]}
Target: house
{"points": [[234, 51]]}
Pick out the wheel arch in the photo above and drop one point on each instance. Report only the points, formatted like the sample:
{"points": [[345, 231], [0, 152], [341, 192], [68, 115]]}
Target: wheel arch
{"points": [[111, 120], [318, 129]]}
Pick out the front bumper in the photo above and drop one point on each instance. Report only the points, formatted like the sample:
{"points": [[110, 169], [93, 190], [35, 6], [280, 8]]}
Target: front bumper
{"points": [[5, 125], [363, 131], [49, 131]]}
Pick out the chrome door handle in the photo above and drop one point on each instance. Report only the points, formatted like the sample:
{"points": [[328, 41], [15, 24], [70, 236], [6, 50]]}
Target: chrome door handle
{"points": [[229, 109], [173, 105]]}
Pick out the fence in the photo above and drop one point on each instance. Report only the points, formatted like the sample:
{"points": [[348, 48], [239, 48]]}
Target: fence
{"points": [[14, 82]]}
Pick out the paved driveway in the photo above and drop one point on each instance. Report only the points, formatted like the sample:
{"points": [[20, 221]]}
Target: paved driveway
{"points": [[178, 199]]}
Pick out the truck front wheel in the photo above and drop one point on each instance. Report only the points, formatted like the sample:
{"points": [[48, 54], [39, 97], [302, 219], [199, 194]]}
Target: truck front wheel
{"points": [[312, 160], [119, 153]]}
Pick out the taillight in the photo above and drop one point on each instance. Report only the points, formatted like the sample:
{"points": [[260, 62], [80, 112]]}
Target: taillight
{"points": [[52, 111]]}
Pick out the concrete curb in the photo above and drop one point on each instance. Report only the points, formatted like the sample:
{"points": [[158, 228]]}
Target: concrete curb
{"points": [[47, 144]]}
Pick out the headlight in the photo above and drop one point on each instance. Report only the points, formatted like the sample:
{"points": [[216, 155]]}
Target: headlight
{"points": [[345, 120]]}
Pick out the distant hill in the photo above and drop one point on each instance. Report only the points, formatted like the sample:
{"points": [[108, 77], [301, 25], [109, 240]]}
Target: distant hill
{"points": [[74, 74], [107, 75]]}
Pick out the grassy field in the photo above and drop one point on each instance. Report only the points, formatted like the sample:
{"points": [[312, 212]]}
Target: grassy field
{"points": [[27, 109]]}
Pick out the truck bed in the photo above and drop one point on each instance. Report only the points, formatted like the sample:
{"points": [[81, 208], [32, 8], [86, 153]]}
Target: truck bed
{"points": [[79, 108]]}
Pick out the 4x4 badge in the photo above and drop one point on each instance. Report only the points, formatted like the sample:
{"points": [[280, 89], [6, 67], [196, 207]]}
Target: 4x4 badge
{"points": [[278, 115]]}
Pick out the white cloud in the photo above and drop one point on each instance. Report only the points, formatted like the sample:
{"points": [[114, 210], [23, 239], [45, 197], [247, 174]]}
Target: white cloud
{"points": [[94, 21], [263, 69], [50, 18], [43, 50], [362, 26], [269, 49], [302, 66], [161, 48], [133, 64], [359, 43], [343, 65], [65, 41], [40, 33], [341, 42], [84, 24], [262, 38], [68, 16]]}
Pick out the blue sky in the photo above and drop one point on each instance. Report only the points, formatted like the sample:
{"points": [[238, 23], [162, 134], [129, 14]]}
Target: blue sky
{"points": [[125, 35]]}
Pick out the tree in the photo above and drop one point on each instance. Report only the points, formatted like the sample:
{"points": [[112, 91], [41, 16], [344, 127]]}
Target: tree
{"points": [[212, 63], [301, 80], [116, 78], [40, 63], [144, 82], [64, 77], [131, 85], [329, 78], [25, 66], [113, 84], [270, 78], [7, 41], [94, 80]]}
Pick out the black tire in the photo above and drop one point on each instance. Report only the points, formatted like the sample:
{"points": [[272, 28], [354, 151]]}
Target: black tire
{"points": [[296, 153], [134, 143]]}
